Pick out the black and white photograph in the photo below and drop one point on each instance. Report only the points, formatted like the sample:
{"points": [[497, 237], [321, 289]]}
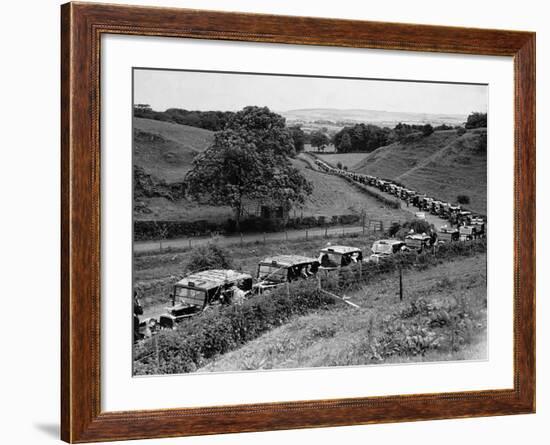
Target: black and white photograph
{"points": [[287, 221]]}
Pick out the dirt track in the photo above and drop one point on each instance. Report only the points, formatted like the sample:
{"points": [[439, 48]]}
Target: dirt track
{"points": [[147, 246], [179, 243]]}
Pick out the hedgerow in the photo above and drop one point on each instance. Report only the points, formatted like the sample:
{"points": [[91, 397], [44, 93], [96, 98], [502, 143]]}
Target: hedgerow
{"points": [[363, 273], [222, 329]]}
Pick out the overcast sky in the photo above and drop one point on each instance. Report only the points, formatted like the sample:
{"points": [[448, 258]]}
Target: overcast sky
{"points": [[228, 92]]}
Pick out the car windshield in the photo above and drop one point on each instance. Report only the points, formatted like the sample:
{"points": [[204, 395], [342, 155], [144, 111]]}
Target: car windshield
{"points": [[382, 248], [330, 259], [187, 295], [272, 273]]}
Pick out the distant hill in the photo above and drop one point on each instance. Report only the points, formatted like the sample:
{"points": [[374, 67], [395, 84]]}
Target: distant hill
{"points": [[166, 150], [443, 165], [377, 117]]}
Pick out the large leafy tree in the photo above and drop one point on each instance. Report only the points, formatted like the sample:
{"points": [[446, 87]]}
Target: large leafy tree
{"points": [[345, 143], [319, 140], [248, 161], [476, 120], [360, 137], [299, 138]]}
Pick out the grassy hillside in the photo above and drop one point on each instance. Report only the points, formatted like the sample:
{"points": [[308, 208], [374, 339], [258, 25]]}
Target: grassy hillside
{"points": [[443, 165], [166, 150], [333, 195], [347, 159], [442, 317]]}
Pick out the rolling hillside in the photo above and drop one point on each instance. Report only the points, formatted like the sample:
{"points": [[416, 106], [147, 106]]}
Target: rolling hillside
{"points": [[347, 159], [166, 150], [443, 165], [333, 195], [378, 117]]}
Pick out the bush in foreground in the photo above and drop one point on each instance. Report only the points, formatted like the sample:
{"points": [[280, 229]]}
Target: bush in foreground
{"points": [[223, 329], [209, 256], [463, 199]]}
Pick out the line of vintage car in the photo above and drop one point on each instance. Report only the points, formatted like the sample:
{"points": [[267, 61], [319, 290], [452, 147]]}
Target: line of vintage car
{"points": [[454, 213], [197, 291]]}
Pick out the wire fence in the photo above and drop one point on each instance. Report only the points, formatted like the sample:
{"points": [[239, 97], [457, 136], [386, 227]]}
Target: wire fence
{"points": [[365, 226]]}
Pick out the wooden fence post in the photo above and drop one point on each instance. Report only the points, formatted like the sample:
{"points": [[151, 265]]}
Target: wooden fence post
{"points": [[400, 284]]}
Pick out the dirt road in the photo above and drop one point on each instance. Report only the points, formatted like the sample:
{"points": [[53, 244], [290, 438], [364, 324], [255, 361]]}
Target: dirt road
{"points": [[179, 243]]}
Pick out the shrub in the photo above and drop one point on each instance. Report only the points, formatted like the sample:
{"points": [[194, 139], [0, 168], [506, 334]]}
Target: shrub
{"points": [[393, 229], [482, 143], [221, 329], [339, 165], [460, 131], [360, 274], [210, 256], [463, 199], [349, 219], [476, 120], [427, 130]]}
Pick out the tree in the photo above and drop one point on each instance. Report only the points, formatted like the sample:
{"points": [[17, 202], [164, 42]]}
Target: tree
{"points": [[265, 129], [226, 173], [319, 140], [427, 130], [248, 161], [476, 120], [361, 138], [209, 256], [345, 143], [298, 137]]}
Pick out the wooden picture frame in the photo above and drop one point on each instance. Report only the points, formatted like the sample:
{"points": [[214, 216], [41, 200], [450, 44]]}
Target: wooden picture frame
{"points": [[82, 26]]}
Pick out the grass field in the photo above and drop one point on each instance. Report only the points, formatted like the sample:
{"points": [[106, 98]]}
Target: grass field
{"points": [[347, 159], [442, 317], [333, 195], [443, 165], [166, 150]]}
